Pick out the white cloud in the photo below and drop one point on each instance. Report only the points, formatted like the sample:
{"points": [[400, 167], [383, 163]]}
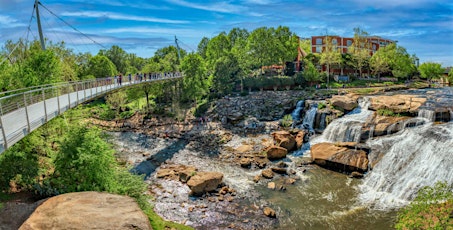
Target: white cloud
{"points": [[157, 31], [222, 7], [116, 16]]}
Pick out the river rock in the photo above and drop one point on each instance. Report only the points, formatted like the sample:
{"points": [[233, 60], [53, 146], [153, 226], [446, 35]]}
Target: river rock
{"points": [[88, 210], [397, 103], [269, 212], [267, 173], [176, 172], [339, 157], [244, 148], [345, 102], [300, 138], [275, 152], [284, 139], [279, 170], [245, 162], [271, 185], [203, 182]]}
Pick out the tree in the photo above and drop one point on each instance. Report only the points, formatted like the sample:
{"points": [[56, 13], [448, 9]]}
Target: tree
{"points": [[100, 67], [360, 49], [196, 83], [379, 63], [226, 71], [85, 162], [219, 46], [430, 70], [202, 46], [330, 55], [118, 56], [399, 61], [311, 74]]}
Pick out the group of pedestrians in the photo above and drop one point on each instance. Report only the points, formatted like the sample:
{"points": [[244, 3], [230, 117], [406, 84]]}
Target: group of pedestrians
{"points": [[139, 77]]}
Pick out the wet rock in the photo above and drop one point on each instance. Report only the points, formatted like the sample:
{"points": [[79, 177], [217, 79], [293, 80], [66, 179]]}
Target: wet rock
{"points": [[345, 102], [244, 148], [397, 103], [356, 175], [300, 138], [279, 170], [276, 152], [339, 158], [203, 182], [269, 212], [88, 210], [176, 172], [284, 139], [290, 181], [271, 185], [245, 162], [256, 178], [267, 173]]}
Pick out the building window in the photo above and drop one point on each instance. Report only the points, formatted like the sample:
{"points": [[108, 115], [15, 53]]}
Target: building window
{"points": [[318, 49], [318, 41], [334, 41], [349, 42], [374, 47]]}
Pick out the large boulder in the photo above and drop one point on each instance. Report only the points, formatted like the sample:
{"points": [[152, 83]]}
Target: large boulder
{"points": [[340, 157], [275, 152], [345, 102], [204, 182], [284, 139], [397, 103], [88, 210]]}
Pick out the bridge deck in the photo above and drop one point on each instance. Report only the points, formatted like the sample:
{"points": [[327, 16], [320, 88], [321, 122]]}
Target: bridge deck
{"points": [[23, 112]]}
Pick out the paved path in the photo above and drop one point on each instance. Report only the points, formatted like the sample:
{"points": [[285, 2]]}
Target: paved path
{"points": [[17, 124]]}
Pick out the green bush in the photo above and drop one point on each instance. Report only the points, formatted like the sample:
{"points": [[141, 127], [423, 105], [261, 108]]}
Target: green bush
{"points": [[127, 114], [321, 105], [431, 209], [286, 121]]}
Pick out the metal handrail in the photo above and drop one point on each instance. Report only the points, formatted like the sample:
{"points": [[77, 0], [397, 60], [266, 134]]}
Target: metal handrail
{"points": [[24, 111]]}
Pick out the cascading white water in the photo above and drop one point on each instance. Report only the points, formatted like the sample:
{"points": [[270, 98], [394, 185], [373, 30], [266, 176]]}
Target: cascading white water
{"points": [[296, 112], [451, 114], [414, 158], [310, 115], [427, 114], [349, 127]]}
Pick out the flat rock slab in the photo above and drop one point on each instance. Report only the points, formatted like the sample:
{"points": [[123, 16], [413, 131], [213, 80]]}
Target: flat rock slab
{"points": [[88, 210]]}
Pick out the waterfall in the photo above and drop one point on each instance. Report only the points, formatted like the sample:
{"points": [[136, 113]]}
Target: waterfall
{"points": [[429, 115], [296, 112], [451, 114], [349, 127], [309, 118], [414, 158], [322, 122]]}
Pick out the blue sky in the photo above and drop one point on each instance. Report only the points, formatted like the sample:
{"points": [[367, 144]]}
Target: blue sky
{"points": [[423, 27]]}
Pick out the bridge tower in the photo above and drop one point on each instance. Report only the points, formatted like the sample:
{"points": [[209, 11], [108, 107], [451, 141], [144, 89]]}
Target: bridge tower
{"points": [[38, 19]]}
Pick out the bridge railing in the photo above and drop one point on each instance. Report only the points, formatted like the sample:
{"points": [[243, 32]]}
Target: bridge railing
{"points": [[24, 110]]}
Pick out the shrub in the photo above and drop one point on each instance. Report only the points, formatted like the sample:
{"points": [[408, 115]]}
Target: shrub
{"points": [[321, 106], [287, 120], [431, 209]]}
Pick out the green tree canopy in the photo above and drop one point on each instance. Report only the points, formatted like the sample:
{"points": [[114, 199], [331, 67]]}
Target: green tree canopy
{"points": [[195, 83], [430, 70], [100, 67]]}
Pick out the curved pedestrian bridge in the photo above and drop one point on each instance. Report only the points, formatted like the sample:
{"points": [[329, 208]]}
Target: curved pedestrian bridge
{"points": [[24, 110]]}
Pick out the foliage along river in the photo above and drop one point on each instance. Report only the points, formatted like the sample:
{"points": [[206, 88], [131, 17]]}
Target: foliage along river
{"points": [[321, 199]]}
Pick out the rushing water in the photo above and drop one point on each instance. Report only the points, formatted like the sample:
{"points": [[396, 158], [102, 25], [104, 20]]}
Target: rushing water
{"points": [[296, 112], [414, 157], [321, 199], [347, 128], [310, 115]]}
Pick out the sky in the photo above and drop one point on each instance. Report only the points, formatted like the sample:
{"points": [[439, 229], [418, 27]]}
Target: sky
{"points": [[423, 27]]}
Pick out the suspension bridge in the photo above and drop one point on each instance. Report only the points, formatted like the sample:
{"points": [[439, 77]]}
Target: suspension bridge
{"points": [[24, 110]]}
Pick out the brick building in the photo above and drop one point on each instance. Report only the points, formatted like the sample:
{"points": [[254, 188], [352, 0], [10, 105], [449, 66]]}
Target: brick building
{"points": [[343, 43], [318, 43]]}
